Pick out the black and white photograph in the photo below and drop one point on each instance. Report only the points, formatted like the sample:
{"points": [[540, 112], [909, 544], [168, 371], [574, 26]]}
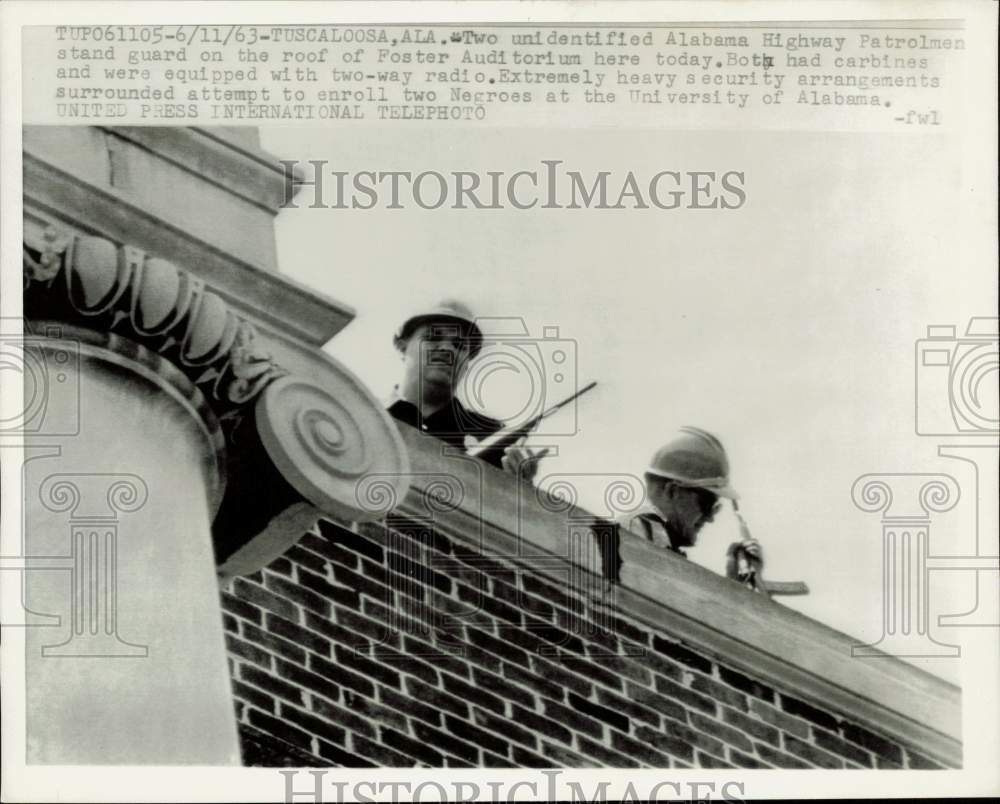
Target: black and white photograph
{"points": [[495, 402]]}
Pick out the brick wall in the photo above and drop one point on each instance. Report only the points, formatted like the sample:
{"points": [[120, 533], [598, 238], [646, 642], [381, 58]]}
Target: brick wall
{"points": [[396, 646]]}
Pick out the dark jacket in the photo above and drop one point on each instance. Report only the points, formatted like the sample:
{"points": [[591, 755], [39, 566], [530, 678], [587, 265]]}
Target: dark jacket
{"points": [[451, 423]]}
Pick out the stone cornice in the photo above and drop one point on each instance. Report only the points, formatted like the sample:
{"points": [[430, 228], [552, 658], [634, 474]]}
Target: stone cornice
{"points": [[296, 443], [55, 196], [501, 517], [251, 175]]}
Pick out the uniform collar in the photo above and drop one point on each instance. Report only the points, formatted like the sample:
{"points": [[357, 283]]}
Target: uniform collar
{"points": [[649, 511], [448, 411], [393, 397]]}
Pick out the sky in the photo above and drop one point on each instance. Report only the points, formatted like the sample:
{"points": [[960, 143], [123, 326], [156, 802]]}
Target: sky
{"points": [[787, 327]]}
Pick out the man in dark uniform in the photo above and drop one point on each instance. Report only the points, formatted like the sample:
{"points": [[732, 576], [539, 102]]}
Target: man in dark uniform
{"points": [[437, 347]]}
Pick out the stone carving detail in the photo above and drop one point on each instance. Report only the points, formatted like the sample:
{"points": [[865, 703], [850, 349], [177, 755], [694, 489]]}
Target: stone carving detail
{"points": [[251, 366], [324, 446], [49, 261], [291, 443], [92, 281]]}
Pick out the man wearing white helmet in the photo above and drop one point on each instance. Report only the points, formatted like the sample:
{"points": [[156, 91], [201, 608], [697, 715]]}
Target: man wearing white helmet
{"points": [[685, 481], [437, 346]]}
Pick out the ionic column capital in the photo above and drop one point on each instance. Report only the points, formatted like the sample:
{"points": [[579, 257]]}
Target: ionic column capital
{"points": [[293, 443]]}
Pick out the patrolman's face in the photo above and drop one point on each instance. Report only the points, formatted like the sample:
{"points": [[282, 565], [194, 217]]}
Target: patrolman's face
{"points": [[698, 507], [437, 354], [687, 509]]}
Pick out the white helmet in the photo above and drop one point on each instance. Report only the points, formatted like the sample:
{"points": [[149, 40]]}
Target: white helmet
{"points": [[694, 458], [449, 310]]}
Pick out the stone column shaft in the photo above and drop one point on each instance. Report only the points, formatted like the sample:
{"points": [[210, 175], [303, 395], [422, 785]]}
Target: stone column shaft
{"points": [[135, 672]]}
